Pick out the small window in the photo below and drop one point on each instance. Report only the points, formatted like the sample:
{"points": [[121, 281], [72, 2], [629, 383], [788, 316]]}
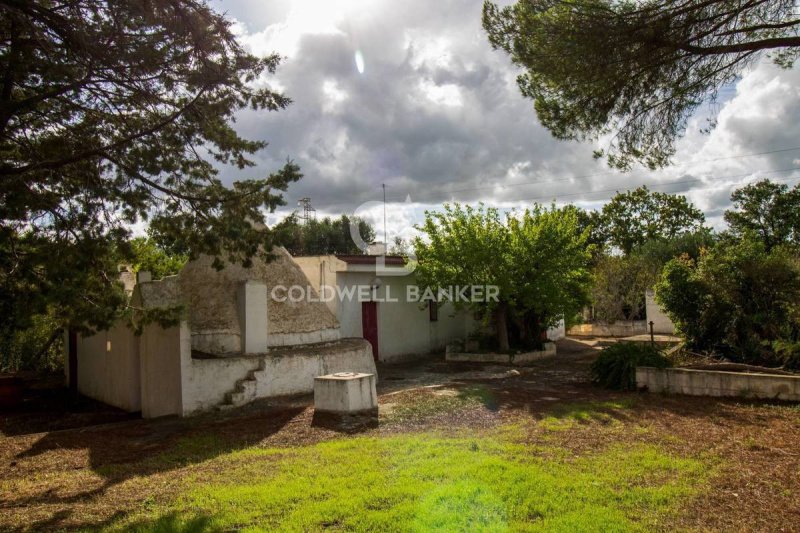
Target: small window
{"points": [[433, 310]]}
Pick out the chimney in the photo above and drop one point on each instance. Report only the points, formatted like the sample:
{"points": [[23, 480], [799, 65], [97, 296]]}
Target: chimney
{"points": [[252, 302]]}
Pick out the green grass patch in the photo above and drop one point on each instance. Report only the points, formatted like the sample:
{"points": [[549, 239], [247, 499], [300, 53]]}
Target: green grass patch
{"points": [[432, 402], [429, 483], [566, 416]]}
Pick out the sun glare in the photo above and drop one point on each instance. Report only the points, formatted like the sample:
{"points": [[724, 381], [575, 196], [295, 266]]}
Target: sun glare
{"points": [[359, 57]]}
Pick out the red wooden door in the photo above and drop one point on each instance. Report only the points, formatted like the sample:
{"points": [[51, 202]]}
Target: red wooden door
{"points": [[369, 325]]}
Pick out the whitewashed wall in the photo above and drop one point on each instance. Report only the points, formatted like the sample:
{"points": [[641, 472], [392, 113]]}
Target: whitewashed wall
{"points": [[661, 322], [108, 367], [404, 328], [160, 351]]}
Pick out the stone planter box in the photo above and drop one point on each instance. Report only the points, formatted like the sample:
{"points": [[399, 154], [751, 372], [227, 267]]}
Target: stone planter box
{"points": [[519, 359], [718, 383], [345, 393]]}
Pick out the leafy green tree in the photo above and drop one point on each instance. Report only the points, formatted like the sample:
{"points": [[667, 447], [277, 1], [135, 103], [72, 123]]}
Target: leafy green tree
{"points": [[549, 260], [620, 281], [537, 260], [638, 69], [767, 209], [399, 246], [738, 297], [322, 237], [659, 251], [467, 246], [113, 113], [38, 347], [592, 221], [152, 258], [619, 286], [635, 217]]}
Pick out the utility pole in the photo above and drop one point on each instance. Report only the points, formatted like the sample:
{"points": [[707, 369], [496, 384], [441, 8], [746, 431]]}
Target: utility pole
{"points": [[385, 241], [307, 209]]}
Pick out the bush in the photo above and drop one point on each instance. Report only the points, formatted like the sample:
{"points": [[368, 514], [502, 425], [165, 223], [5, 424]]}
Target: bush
{"points": [[788, 353], [38, 347], [736, 299], [616, 366]]}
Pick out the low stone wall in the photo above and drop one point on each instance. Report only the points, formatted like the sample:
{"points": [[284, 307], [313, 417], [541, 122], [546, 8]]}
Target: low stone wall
{"points": [[717, 383], [309, 337], [519, 359], [282, 371], [621, 328]]}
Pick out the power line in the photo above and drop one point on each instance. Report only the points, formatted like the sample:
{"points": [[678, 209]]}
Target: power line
{"points": [[668, 183], [655, 185], [447, 194]]}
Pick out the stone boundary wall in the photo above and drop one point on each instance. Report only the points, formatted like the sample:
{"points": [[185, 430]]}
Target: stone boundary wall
{"points": [[519, 359], [718, 383], [622, 328]]}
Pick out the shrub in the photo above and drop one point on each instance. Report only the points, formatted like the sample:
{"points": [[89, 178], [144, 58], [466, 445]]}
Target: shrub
{"points": [[788, 353], [736, 299], [616, 366]]}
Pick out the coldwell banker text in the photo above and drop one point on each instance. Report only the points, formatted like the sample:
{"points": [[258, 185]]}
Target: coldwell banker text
{"points": [[376, 293]]}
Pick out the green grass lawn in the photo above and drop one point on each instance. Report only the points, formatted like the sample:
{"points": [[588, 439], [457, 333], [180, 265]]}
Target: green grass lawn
{"points": [[426, 482]]}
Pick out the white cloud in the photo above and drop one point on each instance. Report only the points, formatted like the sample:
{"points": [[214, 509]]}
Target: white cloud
{"points": [[436, 114], [448, 94]]}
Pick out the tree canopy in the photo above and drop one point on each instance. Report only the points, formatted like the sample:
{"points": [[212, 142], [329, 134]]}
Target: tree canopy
{"points": [[150, 257], [321, 237], [635, 69], [737, 298], [767, 209], [635, 217], [537, 260], [113, 113]]}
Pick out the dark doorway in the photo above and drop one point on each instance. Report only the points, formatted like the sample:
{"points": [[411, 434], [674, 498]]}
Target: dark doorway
{"points": [[369, 325]]}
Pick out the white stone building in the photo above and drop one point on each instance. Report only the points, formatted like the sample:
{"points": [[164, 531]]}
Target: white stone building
{"points": [[398, 327], [232, 345]]}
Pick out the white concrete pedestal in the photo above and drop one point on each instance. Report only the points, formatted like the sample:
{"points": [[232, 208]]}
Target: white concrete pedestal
{"points": [[345, 393]]}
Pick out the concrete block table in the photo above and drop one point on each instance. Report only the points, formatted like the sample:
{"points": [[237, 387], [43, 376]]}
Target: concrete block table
{"points": [[345, 393]]}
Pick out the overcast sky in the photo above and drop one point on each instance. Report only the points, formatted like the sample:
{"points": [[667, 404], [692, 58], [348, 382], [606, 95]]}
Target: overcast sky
{"points": [[410, 94]]}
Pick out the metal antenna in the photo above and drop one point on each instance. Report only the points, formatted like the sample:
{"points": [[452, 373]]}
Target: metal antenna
{"points": [[307, 209], [385, 241]]}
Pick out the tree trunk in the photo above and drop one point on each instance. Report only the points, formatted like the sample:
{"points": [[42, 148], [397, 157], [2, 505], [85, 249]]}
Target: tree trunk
{"points": [[501, 324]]}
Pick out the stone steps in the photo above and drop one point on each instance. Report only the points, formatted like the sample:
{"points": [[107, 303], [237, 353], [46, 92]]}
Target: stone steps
{"points": [[245, 390]]}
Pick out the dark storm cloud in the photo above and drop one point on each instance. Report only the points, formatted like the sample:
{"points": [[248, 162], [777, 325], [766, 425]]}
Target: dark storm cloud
{"points": [[437, 115]]}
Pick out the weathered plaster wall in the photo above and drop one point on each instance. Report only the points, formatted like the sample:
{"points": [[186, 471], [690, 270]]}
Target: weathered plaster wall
{"points": [[661, 322], [294, 373], [557, 332], [404, 328], [281, 372], [211, 299], [321, 271], [311, 337], [108, 367], [206, 381], [161, 351]]}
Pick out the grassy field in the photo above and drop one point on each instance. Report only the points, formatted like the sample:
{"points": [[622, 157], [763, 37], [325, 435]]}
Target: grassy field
{"points": [[425, 482], [543, 451]]}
